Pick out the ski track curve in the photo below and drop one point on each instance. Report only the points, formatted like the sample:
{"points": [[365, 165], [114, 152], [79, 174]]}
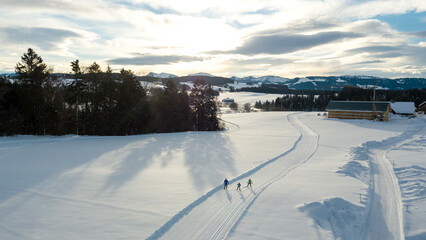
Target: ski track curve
{"points": [[385, 209], [217, 213]]}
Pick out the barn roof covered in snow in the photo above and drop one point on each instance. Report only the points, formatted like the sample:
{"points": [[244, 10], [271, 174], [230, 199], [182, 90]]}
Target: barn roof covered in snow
{"points": [[403, 107], [364, 106]]}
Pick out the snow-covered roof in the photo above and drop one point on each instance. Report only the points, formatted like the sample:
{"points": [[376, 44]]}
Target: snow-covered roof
{"points": [[358, 106], [403, 107]]}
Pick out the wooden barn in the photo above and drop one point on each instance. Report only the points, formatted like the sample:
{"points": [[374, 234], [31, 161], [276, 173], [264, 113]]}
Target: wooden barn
{"points": [[358, 110], [422, 107]]}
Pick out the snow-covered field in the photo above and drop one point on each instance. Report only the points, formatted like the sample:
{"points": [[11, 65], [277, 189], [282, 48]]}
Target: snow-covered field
{"points": [[314, 178], [249, 97]]}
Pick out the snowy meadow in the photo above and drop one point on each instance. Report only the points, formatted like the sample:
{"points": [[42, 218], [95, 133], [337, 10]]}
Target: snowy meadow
{"points": [[313, 178]]}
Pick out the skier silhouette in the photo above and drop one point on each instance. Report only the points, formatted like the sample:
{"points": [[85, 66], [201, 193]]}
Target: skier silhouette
{"points": [[249, 183], [225, 183], [238, 186]]}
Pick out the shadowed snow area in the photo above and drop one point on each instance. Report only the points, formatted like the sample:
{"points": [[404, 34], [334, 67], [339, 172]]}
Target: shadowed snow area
{"points": [[312, 179], [410, 168], [342, 218]]}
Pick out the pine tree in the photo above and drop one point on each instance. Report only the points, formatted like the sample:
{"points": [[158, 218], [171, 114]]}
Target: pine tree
{"points": [[77, 97], [33, 77], [132, 108], [204, 109]]}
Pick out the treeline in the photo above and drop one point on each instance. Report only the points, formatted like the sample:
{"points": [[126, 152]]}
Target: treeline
{"points": [[318, 102], [97, 102], [266, 88], [296, 103]]}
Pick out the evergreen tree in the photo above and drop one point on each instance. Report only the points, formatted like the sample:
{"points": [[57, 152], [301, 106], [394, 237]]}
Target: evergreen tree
{"points": [[202, 100], [93, 109], [11, 118], [109, 89], [172, 112], [33, 77], [77, 97], [134, 115]]}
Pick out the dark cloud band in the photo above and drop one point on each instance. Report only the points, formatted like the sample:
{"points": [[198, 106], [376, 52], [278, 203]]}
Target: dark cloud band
{"points": [[142, 59], [45, 38], [287, 43]]}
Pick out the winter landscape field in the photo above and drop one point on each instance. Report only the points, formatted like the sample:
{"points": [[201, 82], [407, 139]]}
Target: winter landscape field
{"points": [[313, 178]]}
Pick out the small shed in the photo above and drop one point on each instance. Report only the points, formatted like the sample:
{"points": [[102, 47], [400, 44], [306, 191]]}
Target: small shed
{"points": [[228, 100], [403, 108], [358, 110], [422, 107]]}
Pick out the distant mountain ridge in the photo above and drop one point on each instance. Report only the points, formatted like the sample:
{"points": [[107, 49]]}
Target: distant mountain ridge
{"points": [[335, 83], [161, 75]]}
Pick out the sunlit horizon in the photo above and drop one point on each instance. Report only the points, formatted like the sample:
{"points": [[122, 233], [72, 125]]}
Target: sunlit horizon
{"points": [[224, 38]]}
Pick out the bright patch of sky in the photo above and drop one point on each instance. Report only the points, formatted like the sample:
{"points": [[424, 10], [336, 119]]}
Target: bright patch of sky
{"points": [[294, 38]]}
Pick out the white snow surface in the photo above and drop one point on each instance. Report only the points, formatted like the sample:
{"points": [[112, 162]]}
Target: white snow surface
{"points": [[201, 74], [403, 107], [261, 79], [310, 182], [249, 97], [161, 75]]}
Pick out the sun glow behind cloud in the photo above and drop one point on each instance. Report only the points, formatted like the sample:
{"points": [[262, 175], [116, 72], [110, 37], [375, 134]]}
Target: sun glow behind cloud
{"points": [[234, 37]]}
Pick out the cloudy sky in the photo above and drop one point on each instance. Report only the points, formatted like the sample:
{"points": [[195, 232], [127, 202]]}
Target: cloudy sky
{"points": [[290, 38]]}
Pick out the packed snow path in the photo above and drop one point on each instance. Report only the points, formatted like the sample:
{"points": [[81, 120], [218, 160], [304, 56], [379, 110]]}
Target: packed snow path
{"points": [[217, 213], [385, 214]]}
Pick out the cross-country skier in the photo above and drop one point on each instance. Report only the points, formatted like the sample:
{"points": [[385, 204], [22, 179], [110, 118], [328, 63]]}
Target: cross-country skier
{"points": [[238, 186], [249, 183], [225, 183]]}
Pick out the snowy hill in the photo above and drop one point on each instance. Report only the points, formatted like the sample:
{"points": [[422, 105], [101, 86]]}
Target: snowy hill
{"points": [[310, 182], [161, 75], [337, 83], [201, 74], [263, 79]]}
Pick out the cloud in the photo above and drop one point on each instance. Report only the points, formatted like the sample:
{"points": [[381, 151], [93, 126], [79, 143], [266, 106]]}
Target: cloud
{"points": [[148, 7], [368, 62], [43, 4], [376, 49], [259, 61], [237, 24], [144, 59], [407, 54], [419, 34], [263, 11], [287, 43], [45, 38]]}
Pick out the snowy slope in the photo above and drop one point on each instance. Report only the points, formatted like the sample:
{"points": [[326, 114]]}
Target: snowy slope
{"points": [[249, 97], [407, 159], [161, 75], [263, 79], [216, 214], [201, 74], [310, 182]]}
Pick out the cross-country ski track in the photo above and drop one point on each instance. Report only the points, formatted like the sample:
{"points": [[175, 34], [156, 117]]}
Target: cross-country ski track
{"points": [[385, 210], [313, 178], [219, 211]]}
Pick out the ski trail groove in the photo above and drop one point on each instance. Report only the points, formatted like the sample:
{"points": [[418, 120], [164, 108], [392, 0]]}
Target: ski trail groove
{"points": [[213, 217], [385, 208]]}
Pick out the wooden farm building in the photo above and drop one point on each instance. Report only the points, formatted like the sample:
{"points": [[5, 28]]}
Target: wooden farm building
{"points": [[228, 100], [422, 107], [358, 110]]}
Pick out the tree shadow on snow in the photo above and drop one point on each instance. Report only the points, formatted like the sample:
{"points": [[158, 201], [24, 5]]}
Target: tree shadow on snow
{"points": [[344, 219], [209, 156], [131, 159], [29, 161]]}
